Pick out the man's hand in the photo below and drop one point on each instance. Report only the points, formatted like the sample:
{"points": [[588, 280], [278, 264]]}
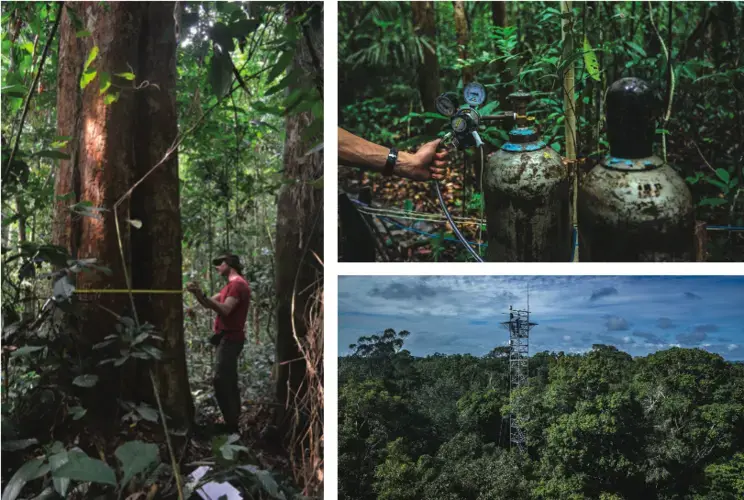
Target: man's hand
{"points": [[425, 164], [194, 288]]}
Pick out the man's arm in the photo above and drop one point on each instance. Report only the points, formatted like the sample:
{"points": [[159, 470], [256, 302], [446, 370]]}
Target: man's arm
{"points": [[354, 151], [223, 309]]}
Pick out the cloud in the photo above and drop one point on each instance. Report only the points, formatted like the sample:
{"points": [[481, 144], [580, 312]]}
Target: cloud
{"points": [[603, 292], [650, 338], [616, 323], [402, 291], [567, 338], [706, 328], [691, 338], [692, 296], [665, 323]]}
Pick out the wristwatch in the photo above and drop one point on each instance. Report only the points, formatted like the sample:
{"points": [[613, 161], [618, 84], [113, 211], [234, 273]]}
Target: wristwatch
{"points": [[392, 157]]}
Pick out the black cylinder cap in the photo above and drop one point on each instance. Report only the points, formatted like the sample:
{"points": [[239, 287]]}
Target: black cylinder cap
{"points": [[631, 118]]}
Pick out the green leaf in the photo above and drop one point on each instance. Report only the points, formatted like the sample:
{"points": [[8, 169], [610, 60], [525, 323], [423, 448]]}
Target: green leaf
{"points": [[25, 350], [284, 60], [28, 47], [147, 413], [126, 76], [590, 60], [91, 57], [26, 473], [86, 78], [14, 91], [221, 34], [61, 484], [86, 380], [723, 175], [104, 81], [713, 202], [81, 467], [78, 412], [135, 457], [56, 155], [111, 98], [82, 34], [18, 444]]}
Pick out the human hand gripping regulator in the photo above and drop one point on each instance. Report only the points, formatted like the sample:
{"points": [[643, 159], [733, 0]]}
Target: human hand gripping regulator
{"points": [[464, 122]]}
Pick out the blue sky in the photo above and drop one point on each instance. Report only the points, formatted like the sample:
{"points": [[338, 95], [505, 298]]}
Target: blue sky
{"points": [[461, 314]]}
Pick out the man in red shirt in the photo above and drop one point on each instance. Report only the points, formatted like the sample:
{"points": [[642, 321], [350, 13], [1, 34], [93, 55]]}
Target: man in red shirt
{"points": [[231, 306]]}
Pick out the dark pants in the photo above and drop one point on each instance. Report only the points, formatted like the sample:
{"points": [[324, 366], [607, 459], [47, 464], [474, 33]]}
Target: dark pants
{"points": [[226, 381]]}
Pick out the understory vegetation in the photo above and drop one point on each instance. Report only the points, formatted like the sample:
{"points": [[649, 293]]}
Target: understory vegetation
{"points": [[140, 141]]}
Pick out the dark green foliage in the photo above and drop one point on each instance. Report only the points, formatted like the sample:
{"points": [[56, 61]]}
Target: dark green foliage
{"points": [[601, 425]]}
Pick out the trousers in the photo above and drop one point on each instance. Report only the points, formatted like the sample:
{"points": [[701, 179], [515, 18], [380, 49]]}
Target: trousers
{"points": [[226, 380]]}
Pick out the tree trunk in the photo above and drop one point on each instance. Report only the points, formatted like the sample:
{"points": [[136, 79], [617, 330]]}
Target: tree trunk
{"points": [[463, 37], [498, 13], [428, 72], [299, 228], [112, 147]]}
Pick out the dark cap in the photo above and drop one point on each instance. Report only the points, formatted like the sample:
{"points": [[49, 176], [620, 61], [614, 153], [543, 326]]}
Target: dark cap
{"points": [[231, 259], [632, 108]]}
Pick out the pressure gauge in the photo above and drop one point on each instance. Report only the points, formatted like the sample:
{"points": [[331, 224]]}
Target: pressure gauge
{"points": [[447, 104], [475, 94], [459, 124]]}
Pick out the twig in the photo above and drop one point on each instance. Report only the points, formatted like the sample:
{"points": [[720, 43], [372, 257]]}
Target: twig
{"points": [[31, 91], [668, 113]]}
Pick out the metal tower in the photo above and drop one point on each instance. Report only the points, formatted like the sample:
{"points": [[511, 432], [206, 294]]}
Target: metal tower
{"points": [[519, 327]]}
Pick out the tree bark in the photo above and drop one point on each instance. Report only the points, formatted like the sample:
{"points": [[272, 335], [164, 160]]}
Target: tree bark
{"points": [[463, 37], [299, 229], [428, 74], [498, 13], [113, 146]]}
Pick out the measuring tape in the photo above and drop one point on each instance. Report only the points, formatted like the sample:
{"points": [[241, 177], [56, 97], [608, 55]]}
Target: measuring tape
{"points": [[109, 290]]}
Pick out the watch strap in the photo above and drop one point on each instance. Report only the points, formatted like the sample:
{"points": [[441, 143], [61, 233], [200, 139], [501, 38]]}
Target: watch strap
{"points": [[392, 159]]}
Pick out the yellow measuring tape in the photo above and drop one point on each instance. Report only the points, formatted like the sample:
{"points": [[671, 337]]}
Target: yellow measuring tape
{"points": [[109, 290]]}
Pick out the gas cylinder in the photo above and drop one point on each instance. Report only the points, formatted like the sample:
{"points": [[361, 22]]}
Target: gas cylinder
{"points": [[633, 206], [526, 194]]}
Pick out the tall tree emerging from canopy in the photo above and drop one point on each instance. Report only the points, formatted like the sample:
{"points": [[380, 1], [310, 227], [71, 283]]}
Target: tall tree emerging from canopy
{"points": [[463, 38], [117, 134], [428, 73], [299, 230]]}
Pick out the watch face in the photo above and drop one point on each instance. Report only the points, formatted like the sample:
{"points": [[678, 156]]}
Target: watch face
{"points": [[459, 124], [445, 105], [475, 94]]}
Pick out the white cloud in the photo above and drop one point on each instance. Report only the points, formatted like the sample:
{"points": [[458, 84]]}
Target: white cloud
{"points": [[567, 338]]}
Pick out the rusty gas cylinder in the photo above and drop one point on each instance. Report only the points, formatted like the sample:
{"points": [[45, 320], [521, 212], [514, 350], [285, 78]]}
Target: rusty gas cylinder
{"points": [[633, 206], [526, 194]]}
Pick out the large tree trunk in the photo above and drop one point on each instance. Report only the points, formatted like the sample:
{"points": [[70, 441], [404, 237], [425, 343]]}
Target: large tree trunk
{"points": [[112, 147], [428, 73], [299, 228], [498, 13], [463, 38]]}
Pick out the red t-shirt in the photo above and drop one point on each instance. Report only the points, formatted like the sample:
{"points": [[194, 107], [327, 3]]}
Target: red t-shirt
{"points": [[234, 323]]}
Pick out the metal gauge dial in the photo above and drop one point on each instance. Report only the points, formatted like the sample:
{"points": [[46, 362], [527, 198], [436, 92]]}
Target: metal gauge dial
{"points": [[459, 124], [475, 94], [446, 105]]}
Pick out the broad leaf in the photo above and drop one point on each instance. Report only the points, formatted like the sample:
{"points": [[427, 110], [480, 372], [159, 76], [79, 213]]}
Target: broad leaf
{"points": [[86, 380], [220, 73], [91, 57], [81, 467], [590, 60], [18, 444], [61, 484], [281, 64], [26, 350], [135, 457], [57, 155], [86, 78], [26, 473], [147, 413], [104, 81], [723, 175]]}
